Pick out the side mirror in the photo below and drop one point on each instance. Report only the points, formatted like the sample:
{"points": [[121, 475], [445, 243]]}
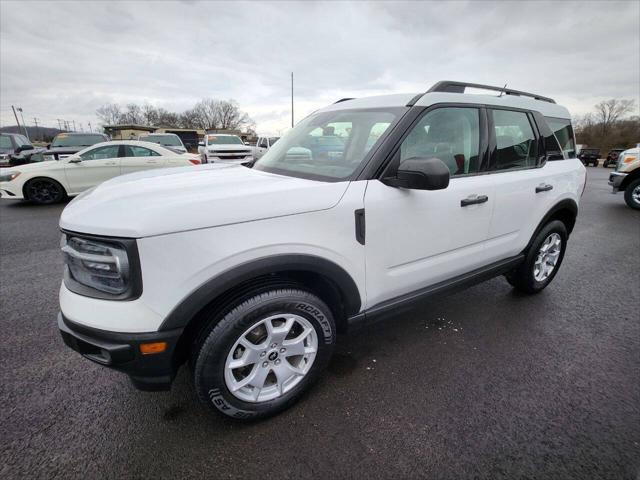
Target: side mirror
{"points": [[420, 174], [48, 146], [22, 148], [75, 160], [201, 144]]}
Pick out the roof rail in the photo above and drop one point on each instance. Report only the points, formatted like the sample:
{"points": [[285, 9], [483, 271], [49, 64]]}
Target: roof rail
{"points": [[343, 100], [459, 87]]}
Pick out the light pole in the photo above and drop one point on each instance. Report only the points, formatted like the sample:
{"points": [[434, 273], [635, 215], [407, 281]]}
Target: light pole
{"points": [[24, 124]]}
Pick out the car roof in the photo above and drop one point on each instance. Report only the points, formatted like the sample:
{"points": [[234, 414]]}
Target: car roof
{"points": [[140, 143], [443, 92]]}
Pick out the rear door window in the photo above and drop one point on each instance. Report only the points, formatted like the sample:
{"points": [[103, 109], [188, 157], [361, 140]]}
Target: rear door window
{"points": [[516, 143], [135, 151]]}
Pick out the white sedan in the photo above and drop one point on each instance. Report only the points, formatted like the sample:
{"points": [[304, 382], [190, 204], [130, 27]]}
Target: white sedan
{"points": [[51, 181]]}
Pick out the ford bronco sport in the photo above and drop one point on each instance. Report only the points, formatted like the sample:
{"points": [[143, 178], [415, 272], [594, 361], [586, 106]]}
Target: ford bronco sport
{"points": [[247, 275]]}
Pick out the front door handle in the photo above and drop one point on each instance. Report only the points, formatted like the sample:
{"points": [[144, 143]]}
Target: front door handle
{"points": [[473, 200], [544, 187]]}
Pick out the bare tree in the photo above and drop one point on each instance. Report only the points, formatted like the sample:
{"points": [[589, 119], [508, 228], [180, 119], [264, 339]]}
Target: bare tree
{"points": [[610, 111], [109, 114]]}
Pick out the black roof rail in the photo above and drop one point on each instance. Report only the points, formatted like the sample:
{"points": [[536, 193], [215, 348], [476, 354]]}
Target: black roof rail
{"points": [[459, 87], [343, 100]]}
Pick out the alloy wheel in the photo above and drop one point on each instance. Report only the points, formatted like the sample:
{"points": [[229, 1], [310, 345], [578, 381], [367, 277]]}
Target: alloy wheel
{"points": [[270, 358], [44, 191], [547, 257]]}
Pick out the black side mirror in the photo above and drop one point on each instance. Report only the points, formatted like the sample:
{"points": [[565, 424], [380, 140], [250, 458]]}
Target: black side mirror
{"points": [[22, 148], [420, 174]]}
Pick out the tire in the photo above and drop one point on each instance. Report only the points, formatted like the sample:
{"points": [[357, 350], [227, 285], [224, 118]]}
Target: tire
{"points": [[595, 164], [278, 377], [44, 191], [529, 277], [605, 164], [632, 194]]}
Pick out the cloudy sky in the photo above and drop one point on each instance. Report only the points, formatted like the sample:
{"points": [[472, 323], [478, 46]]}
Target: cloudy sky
{"points": [[64, 60]]}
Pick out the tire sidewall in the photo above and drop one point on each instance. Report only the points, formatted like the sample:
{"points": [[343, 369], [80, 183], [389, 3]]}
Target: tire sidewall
{"points": [[210, 362], [555, 226]]}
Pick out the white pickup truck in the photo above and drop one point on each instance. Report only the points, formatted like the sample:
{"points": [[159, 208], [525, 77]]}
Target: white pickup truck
{"points": [[262, 145], [224, 148]]}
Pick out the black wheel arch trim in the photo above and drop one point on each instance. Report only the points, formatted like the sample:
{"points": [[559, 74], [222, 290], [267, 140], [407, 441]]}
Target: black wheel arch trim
{"points": [[566, 204], [631, 177], [202, 296]]}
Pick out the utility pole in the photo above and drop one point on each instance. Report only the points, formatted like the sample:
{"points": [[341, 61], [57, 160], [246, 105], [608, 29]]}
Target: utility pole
{"points": [[90, 127], [291, 99], [16, 115], [35, 120], [23, 123]]}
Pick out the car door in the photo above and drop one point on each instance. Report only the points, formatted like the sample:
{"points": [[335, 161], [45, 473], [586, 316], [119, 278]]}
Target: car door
{"points": [[92, 167], [417, 238], [136, 158], [524, 182]]}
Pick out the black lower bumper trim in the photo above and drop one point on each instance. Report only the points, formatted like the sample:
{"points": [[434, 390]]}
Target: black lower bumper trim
{"points": [[121, 351]]}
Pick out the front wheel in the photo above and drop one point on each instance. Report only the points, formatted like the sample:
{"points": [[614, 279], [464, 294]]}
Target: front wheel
{"points": [[264, 353], [44, 191], [632, 194], [543, 259]]}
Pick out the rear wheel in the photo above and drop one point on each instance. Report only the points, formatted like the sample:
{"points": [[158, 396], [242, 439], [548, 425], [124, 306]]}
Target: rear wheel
{"points": [[261, 356], [542, 261], [44, 191], [632, 194]]}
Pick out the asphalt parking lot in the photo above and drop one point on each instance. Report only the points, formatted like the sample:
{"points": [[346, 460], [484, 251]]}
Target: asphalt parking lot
{"points": [[485, 383]]}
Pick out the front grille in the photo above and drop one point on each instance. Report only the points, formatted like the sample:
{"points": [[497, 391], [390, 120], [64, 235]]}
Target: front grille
{"points": [[243, 153]]}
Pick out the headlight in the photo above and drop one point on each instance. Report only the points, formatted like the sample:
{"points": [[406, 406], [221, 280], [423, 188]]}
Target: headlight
{"points": [[9, 176], [104, 266]]}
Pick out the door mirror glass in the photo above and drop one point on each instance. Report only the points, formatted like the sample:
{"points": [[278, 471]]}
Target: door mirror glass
{"points": [[421, 174]]}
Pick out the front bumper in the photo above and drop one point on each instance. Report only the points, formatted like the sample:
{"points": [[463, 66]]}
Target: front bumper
{"points": [[8, 191], [121, 351], [616, 179]]}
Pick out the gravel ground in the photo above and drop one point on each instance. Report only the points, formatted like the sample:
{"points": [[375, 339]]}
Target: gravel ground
{"points": [[485, 383]]}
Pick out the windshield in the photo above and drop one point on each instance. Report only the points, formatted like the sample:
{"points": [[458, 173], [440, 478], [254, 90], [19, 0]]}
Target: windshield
{"points": [[64, 140], [273, 140], [5, 142], [223, 140], [329, 145], [167, 140]]}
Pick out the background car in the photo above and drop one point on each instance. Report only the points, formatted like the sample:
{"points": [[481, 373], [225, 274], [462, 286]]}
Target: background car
{"points": [[589, 156], [15, 149], [612, 157], [51, 181], [66, 144], [170, 140]]}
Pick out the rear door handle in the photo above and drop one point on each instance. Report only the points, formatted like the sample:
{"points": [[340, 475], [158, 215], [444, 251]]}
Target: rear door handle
{"points": [[544, 187], [473, 200]]}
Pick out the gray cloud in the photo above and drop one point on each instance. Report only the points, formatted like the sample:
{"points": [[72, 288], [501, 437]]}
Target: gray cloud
{"points": [[63, 60]]}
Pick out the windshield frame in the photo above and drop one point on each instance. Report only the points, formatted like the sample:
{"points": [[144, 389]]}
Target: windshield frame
{"points": [[399, 112]]}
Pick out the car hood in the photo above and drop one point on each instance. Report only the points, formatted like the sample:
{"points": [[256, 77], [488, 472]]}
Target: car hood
{"points": [[171, 200], [30, 167]]}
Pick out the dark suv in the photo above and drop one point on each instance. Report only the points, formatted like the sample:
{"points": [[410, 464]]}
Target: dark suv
{"points": [[15, 149], [66, 144], [589, 156], [612, 157]]}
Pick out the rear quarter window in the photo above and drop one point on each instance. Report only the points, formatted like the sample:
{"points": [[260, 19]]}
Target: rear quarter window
{"points": [[563, 131]]}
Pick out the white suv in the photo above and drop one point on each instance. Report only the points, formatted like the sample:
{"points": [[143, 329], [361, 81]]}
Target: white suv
{"points": [[367, 206]]}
